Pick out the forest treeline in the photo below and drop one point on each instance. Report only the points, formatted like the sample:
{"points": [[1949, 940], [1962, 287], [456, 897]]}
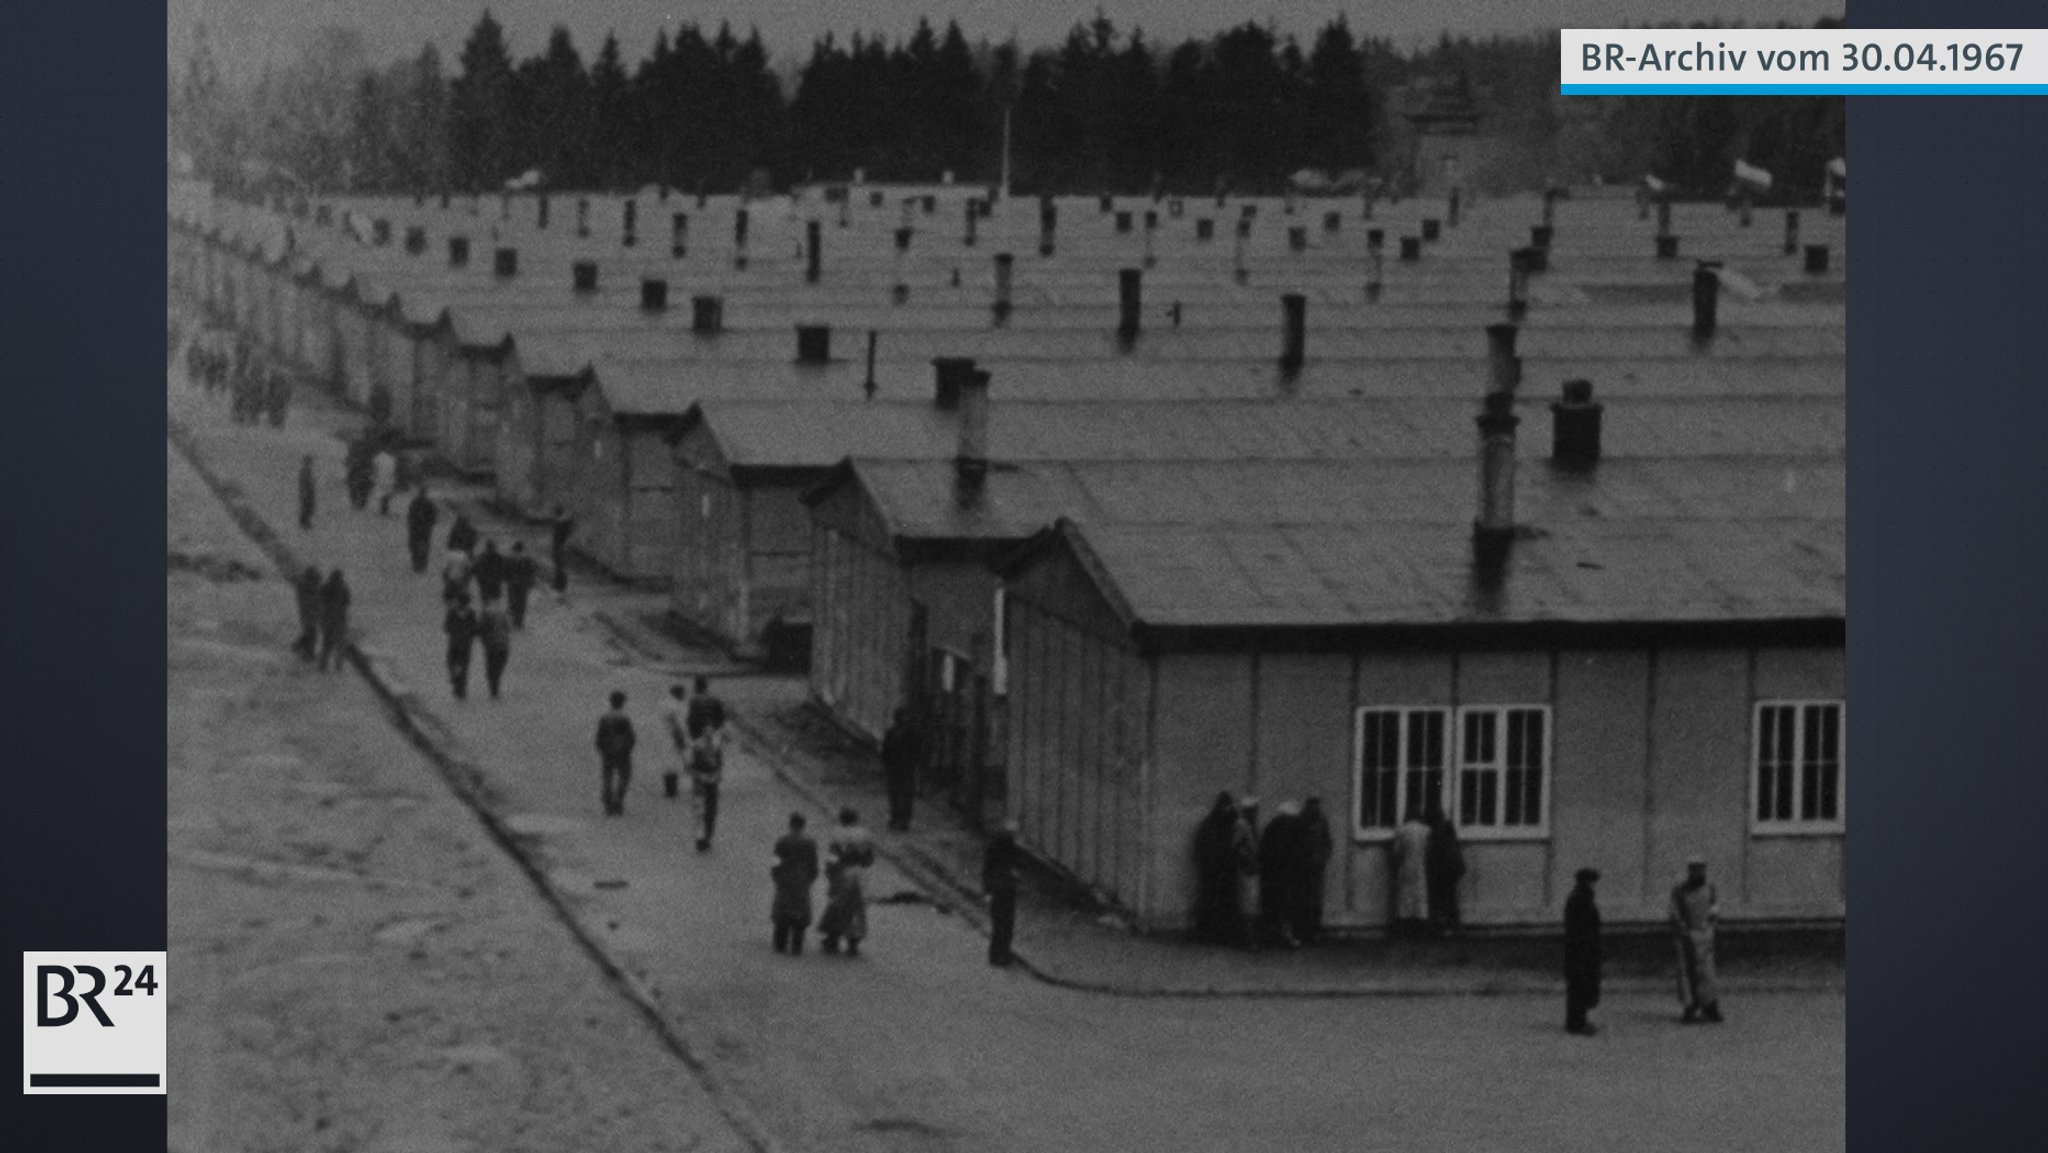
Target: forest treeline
{"points": [[1105, 109]]}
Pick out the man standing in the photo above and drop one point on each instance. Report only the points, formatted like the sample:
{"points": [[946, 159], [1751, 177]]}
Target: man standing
{"points": [[559, 533], [495, 631], [490, 573], [1581, 955], [1694, 911], [902, 747], [460, 624], [1279, 870], [308, 590], [999, 881], [1445, 868], [334, 598], [615, 742], [706, 725], [796, 869], [706, 711], [307, 491], [520, 575], [419, 528], [675, 718], [1317, 847], [384, 471]]}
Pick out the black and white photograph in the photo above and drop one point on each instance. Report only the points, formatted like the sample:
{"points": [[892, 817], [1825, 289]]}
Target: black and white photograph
{"points": [[932, 575]]}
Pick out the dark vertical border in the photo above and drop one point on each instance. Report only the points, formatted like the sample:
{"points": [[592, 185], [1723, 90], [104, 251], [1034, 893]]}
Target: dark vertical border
{"points": [[81, 517], [1948, 588]]}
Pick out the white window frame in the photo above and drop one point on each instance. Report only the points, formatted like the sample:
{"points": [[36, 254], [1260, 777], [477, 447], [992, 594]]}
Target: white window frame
{"points": [[1797, 826], [1403, 712], [1453, 768], [1532, 831]]}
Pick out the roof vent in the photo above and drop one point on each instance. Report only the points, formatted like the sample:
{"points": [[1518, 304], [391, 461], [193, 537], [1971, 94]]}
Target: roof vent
{"points": [[506, 262], [654, 294], [1575, 427], [583, 276], [813, 343]]}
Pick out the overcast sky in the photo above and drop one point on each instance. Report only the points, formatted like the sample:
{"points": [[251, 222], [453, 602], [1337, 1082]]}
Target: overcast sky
{"points": [[246, 33]]}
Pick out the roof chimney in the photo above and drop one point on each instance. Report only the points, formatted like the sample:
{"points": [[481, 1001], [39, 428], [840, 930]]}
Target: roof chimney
{"points": [[973, 214], [1123, 222], [947, 373], [1457, 203], [707, 315], [813, 343], [1333, 221], [1411, 249], [506, 262], [1503, 367], [1432, 229], [1550, 198], [813, 250], [583, 276], [1297, 238], [1663, 216], [540, 211], [1005, 264], [1294, 331], [1494, 528], [632, 211], [654, 294], [1107, 202], [583, 216], [1375, 238], [868, 385], [1791, 231], [1667, 247], [739, 229], [1205, 228], [1048, 220], [458, 251], [970, 463], [1706, 299], [380, 232], [903, 240], [1129, 294], [679, 235], [1816, 258], [1540, 234], [415, 240], [1575, 427], [1518, 283]]}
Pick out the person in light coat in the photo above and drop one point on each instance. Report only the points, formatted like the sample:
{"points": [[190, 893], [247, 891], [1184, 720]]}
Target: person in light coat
{"points": [[1409, 856]]}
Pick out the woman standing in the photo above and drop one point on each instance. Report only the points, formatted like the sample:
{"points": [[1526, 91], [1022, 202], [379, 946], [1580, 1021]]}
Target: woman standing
{"points": [[848, 855]]}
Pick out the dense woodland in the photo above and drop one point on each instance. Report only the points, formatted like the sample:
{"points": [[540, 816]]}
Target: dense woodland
{"points": [[1104, 110]]}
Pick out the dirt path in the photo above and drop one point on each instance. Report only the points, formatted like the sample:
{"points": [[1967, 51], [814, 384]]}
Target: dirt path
{"points": [[357, 967]]}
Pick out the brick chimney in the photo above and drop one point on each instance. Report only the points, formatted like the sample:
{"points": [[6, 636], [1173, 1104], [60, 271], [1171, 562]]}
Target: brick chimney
{"points": [[653, 294], [583, 276], [813, 344], [1816, 258], [947, 373], [1005, 265], [1791, 231], [970, 462], [1706, 299], [632, 221], [813, 251], [679, 235], [1130, 284], [1575, 427], [506, 262], [1293, 332], [458, 251], [1493, 530], [707, 315]]}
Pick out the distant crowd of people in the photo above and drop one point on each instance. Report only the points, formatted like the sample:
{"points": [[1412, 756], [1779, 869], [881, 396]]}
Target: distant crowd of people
{"points": [[257, 387]]}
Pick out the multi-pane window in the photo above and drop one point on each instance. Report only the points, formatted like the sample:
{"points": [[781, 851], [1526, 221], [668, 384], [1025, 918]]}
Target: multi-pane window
{"points": [[1799, 765], [1502, 755], [1488, 772]]}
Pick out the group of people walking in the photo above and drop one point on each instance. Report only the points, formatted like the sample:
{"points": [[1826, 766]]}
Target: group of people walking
{"points": [[256, 389], [849, 854], [1692, 915], [1258, 886]]}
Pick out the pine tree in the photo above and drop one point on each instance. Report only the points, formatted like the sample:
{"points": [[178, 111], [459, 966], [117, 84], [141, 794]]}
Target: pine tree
{"points": [[483, 128]]}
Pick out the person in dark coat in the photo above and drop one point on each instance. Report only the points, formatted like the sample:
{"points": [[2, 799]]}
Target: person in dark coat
{"points": [[334, 598], [559, 533], [1216, 873], [462, 535], [902, 749], [308, 593], [999, 880], [307, 492], [1581, 955], [615, 742], [460, 625], [707, 712], [359, 478], [521, 574], [795, 871], [1443, 868], [490, 573], [1280, 854], [495, 631], [1317, 847], [420, 516]]}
